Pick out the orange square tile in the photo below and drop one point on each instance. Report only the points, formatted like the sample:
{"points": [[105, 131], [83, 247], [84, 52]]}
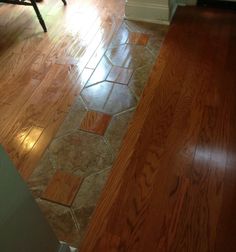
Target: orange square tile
{"points": [[138, 38], [62, 188], [120, 75], [95, 122]]}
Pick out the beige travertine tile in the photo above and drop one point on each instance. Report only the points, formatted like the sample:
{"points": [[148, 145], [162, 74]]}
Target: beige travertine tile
{"points": [[80, 152], [129, 56], [108, 98]]}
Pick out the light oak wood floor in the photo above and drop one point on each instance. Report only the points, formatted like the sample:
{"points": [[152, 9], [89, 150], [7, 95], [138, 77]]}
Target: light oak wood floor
{"points": [[41, 74]]}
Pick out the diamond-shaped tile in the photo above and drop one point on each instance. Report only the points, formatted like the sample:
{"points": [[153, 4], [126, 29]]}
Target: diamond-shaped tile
{"points": [[120, 75], [95, 122], [62, 188], [129, 56], [137, 38], [108, 97]]}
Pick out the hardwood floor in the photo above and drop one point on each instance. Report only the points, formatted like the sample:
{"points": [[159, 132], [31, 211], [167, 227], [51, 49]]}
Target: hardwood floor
{"points": [[173, 185], [41, 74]]}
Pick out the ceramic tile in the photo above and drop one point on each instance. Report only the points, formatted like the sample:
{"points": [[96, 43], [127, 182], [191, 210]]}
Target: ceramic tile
{"points": [[62, 222], [129, 56], [73, 118], [101, 72], [62, 188], [112, 88], [108, 98], [155, 41], [41, 176], [95, 122], [80, 152], [137, 38], [87, 197], [121, 36], [117, 129], [120, 75], [139, 79]]}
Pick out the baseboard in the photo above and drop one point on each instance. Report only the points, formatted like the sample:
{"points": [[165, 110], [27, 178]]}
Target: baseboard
{"points": [[148, 12]]}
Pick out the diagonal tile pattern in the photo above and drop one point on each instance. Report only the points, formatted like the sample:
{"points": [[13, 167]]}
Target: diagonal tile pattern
{"points": [[90, 137]]}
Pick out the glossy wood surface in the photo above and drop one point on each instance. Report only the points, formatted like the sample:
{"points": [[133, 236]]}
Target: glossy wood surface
{"points": [[173, 185], [41, 74]]}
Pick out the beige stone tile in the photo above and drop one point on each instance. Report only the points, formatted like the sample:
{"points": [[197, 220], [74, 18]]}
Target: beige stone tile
{"points": [[101, 72], [108, 98], [81, 153], [120, 75], [117, 129], [87, 198], [139, 79], [73, 119], [41, 176], [129, 56], [62, 222]]}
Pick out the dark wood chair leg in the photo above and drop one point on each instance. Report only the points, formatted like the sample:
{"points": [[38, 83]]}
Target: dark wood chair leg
{"points": [[64, 2], [41, 21]]}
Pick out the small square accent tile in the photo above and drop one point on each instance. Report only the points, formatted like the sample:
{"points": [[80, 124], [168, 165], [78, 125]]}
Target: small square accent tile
{"points": [[120, 75], [138, 38], [62, 188], [95, 122]]}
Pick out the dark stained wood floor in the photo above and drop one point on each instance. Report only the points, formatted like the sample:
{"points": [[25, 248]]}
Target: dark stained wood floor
{"points": [[173, 186]]}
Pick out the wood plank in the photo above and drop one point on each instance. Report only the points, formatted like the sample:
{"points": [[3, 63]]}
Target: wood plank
{"points": [[172, 186], [42, 74]]}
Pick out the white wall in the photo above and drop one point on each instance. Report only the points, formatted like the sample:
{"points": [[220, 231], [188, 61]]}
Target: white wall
{"points": [[154, 11]]}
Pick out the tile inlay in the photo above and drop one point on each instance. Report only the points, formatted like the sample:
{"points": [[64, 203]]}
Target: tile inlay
{"points": [[95, 122], [138, 38], [120, 75], [62, 188], [110, 98], [129, 56], [73, 171], [81, 153]]}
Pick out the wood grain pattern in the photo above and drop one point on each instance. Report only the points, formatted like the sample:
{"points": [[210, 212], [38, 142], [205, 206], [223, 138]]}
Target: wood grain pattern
{"points": [[172, 187], [95, 122], [138, 38], [41, 74], [62, 188]]}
